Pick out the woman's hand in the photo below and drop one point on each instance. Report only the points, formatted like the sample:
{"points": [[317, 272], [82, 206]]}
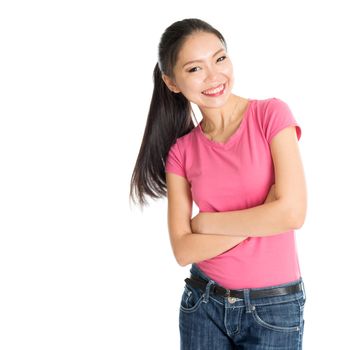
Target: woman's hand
{"points": [[197, 223], [271, 195]]}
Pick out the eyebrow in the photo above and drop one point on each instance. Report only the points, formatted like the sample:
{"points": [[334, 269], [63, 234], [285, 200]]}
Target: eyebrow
{"points": [[201, 60]]}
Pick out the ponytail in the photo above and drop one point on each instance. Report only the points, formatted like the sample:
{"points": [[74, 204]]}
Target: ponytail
{"points": [[169, 117]]}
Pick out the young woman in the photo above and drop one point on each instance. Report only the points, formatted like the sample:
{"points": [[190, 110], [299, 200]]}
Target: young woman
{"points": [[242, 167]]}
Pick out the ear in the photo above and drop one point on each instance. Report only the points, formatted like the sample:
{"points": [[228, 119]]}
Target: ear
{"points": [[170, 84]]}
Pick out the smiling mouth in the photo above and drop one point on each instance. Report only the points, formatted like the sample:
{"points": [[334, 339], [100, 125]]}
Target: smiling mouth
{"points": [[214, 91]]}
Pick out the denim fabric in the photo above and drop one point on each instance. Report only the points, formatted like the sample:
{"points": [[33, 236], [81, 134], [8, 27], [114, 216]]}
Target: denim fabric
{"points": [[210, 322]]}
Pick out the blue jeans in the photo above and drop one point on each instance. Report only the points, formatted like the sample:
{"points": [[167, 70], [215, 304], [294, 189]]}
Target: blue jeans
{"points": [[211, 322]]}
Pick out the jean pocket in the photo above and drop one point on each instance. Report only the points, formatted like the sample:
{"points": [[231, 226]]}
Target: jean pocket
{"points": [[284, 316], [191, 299]]}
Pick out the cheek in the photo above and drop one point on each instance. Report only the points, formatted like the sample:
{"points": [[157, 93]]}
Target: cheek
{"points": [[228, 70], [229, 73], [194, 84], [189, 82]]}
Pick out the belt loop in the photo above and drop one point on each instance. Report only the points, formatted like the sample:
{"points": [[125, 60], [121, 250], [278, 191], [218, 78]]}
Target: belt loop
{"points": [[303, 288], [207, 290], [247, 300]]}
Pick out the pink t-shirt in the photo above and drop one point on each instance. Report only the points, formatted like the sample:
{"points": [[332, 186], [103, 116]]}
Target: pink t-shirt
{"points": [[237, 175]]}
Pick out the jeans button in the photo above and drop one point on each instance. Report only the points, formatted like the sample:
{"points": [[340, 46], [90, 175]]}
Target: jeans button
{"points": [[231, 300]]}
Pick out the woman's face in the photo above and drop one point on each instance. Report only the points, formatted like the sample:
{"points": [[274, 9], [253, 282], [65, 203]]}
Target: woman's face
{"points": [[208, 80]]}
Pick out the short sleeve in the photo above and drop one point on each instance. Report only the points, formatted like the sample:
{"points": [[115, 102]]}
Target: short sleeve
{"points": [[174, 162], [277, 117]]}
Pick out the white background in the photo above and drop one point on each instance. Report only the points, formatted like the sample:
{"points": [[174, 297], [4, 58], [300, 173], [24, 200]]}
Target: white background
{"points": [[81, 268]]}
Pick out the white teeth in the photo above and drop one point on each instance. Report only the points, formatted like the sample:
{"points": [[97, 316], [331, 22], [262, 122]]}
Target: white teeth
{"points": [[214, 91]]}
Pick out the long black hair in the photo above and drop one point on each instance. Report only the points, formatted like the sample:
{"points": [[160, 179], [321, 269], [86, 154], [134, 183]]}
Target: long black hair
{"points": [[169, 116]]}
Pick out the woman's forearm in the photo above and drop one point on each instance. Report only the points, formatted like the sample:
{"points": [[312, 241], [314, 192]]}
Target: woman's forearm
{"points": [[192, 247], [263, 220]]}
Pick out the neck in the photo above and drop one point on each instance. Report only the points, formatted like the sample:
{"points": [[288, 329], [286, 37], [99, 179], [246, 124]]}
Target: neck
{"points": [[217, 120]]}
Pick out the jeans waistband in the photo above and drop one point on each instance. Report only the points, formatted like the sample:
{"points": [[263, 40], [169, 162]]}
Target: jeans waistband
{"points": [[195, 270]]}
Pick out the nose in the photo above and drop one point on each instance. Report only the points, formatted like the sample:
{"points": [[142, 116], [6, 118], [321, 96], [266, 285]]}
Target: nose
{"points": [[212, 75]]}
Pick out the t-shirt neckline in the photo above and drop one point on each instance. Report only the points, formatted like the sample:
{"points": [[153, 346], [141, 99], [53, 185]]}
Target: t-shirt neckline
{"points": [[233, 137]]}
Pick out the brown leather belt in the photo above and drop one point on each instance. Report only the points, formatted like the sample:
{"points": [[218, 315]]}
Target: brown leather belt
{"points": [[198, 282]]}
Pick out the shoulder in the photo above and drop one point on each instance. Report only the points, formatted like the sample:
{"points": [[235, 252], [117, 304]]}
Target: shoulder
{"points": [[264, 107], [181, 144], [272, 108], [271, 103], [186, 139]]}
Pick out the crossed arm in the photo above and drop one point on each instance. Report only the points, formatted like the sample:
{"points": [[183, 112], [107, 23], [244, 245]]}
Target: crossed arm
{"points": [[284, 208]]}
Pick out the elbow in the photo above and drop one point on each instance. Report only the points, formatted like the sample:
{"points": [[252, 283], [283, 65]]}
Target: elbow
{"points": [[180, 252], [296, 224], [297, 220], [181, 259], [182, 263], [295, 213]]}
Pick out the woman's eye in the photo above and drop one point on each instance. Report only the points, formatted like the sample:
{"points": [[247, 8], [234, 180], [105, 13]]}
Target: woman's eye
{"points": [[220, 58], [192, 70]]}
